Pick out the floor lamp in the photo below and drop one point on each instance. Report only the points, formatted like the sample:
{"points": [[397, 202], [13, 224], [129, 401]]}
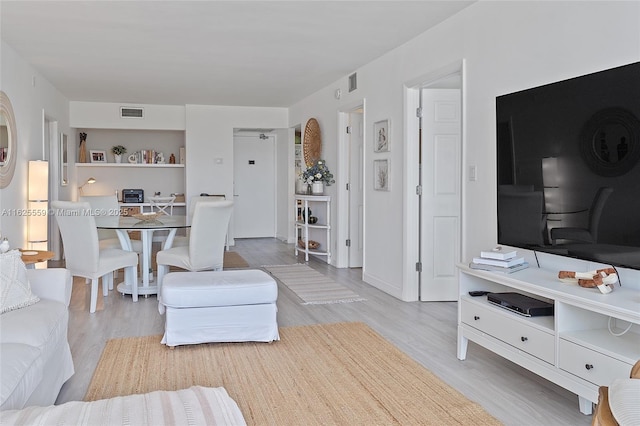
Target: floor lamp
{"points": [[38, 219]]}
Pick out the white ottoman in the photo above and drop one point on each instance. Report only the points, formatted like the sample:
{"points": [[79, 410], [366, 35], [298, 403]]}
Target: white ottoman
{"points": [[219, 306]]}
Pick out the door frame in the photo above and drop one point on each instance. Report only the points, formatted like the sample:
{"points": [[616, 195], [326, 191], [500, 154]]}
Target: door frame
{"points": [[342, 226], [411, 176]]}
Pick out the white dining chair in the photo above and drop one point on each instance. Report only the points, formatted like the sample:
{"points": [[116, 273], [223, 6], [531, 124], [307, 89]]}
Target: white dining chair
{"points": [[182, 240], [205, 251], [162, 205], [108, 238], [83, 255]]}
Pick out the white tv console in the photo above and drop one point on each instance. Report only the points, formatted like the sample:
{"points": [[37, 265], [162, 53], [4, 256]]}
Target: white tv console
{"points": [[573, 348]]}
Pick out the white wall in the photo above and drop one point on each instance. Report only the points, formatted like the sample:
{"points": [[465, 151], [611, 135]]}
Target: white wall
{"points": [[28, 101], [506, 46], [209, 135]]}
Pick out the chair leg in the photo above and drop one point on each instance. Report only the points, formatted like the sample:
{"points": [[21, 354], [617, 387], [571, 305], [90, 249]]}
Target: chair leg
{"points": [[107, 282], [162, 271], [94, 295]]}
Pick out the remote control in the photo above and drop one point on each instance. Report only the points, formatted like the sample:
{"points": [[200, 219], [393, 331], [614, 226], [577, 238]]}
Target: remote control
{"points": [[478, 293]]}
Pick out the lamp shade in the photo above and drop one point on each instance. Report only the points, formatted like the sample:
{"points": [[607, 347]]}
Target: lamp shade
{"points": [[38, 181]]}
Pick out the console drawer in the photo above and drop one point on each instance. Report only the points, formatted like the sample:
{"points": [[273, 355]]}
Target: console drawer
{"points": [[590, 365], [504, 326]]}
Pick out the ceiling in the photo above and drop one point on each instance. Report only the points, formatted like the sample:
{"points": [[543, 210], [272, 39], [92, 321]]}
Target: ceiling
{"points": [[251, 53]]}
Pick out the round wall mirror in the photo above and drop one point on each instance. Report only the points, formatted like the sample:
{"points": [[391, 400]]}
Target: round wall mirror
{"points": [[312, 143], [8, 141], [610, 142]]}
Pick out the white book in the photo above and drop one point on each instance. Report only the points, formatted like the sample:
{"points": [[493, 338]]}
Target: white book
{"points": [[496, 262], [498, 253], [492, 268]]}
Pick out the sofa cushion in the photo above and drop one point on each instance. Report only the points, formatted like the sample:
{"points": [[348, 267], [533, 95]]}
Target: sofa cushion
{"points": [[41, 325], [15, 291], [22, 368], [218, 288], [197, 406]]}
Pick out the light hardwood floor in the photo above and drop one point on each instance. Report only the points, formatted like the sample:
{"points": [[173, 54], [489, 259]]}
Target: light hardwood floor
{"points": [[424, 331]]}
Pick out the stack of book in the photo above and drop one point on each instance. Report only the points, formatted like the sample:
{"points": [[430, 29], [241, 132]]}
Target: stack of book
{"points": [[499, 260]]}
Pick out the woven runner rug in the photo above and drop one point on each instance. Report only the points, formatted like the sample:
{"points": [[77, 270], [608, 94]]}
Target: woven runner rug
{"points": [[311, 286], [329, 374]]}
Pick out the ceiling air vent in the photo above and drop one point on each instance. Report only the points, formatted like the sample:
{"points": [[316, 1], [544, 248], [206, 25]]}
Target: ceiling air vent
{"points": [[129, 112]]}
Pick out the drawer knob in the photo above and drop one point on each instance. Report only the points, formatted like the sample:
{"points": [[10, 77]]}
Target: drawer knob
{"points": [[476, 317], [588, 366], [524, 339]]}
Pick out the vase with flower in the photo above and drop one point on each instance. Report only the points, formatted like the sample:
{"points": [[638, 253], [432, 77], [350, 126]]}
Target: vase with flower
{"points": [[117, 151], [316, 176]]}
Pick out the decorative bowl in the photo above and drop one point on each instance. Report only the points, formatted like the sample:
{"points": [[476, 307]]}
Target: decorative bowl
{"points": [[147, 217], [312, 244]]}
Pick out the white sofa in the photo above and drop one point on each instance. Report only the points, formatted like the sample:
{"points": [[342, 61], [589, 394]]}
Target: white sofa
{"points": [[35, 358]]}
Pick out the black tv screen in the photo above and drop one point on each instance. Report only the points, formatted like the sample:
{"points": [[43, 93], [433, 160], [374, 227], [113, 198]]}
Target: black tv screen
{"points": [[568, 167]]}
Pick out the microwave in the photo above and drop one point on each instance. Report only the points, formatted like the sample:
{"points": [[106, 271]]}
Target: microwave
{"points": [[133, 196]]}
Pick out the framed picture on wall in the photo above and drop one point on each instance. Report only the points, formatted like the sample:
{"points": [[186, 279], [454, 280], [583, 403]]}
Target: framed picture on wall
{"points": [[98, 156], [381, 175], [381, 136]]}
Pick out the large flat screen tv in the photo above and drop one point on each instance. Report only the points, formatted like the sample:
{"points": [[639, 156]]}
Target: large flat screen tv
{"points": [[568, 167]]}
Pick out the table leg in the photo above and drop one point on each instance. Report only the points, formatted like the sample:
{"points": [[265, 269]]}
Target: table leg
{"points": [[129, 278], [147, 237]]}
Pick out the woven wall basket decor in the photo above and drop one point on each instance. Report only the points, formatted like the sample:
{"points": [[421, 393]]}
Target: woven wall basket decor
{"points": [[312, 143]]}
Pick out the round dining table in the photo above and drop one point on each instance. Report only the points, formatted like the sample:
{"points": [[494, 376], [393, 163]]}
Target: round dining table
{"points": [[123, 224]]}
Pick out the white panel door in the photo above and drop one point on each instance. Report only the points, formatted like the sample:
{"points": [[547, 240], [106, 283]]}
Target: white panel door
{"points": [[441, 181], [254, 187], [356, 189]]}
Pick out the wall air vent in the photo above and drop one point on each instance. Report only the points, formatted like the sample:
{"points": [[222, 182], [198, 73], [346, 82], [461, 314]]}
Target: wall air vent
{"points": [[131, 112], [353, 82]]}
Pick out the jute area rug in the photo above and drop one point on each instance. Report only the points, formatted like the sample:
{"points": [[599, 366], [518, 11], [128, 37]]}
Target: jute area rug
{"points": [[232, 260], [331, 374], [311, 286]]}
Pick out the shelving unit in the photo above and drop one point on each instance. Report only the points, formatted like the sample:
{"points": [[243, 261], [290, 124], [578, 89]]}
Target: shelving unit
{"points": [[573, 348], [128, 165], [321, 205]]}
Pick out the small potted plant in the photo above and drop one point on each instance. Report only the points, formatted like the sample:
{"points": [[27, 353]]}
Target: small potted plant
{"points": [[317, 176], [117, 151]]}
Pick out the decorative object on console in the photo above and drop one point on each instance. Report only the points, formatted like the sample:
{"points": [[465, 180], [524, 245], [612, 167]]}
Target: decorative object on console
{"points": [[82, 155], [604, 279], [172, 159], [497, 260], [117, 152]]}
